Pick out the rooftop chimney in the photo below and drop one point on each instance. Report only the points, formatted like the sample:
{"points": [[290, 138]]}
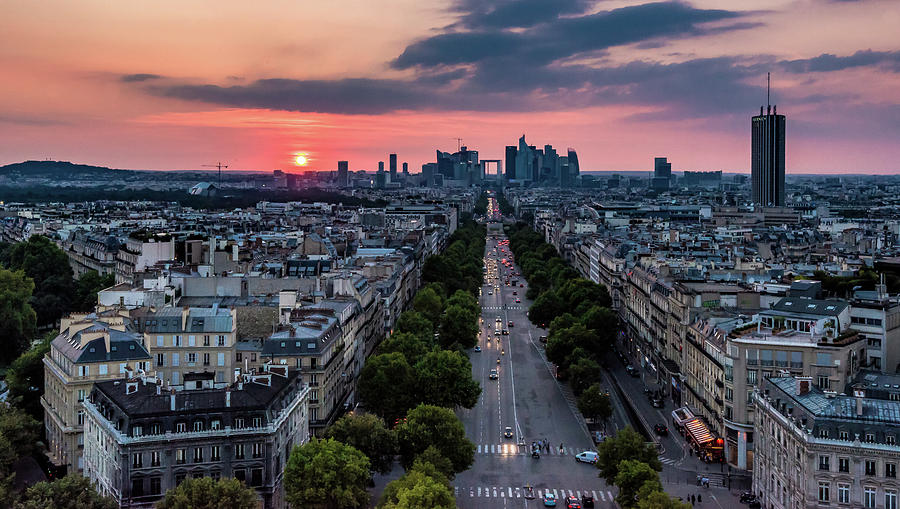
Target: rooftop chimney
{"points": [[860, 394], [172, 400], [803, 383]]}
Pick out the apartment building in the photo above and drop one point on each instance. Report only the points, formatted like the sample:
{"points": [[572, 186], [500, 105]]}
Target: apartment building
{"points": [[90, 348], [816, 448], [143, 437]]}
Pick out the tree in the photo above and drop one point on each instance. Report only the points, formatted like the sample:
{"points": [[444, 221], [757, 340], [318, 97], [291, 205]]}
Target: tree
{"points": [[18, 436], [604, 323], [444, 378], [70, 492], [466, 300], [429, 304], [627, 444], [367, 433], [25, 378], [17, 318], [428, 425], [207, 493], [86, 289], [433, 463], [583, 373], [594, 404], [415, 323], [326, 474], [545, 308], [460, 326], [635, 477], [415, 490], [387, 385], [660, 500], [412, 347], [48, 266]]}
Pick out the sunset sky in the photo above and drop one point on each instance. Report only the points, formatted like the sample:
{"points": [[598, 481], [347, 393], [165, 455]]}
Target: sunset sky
{"points": [[178, 84]]}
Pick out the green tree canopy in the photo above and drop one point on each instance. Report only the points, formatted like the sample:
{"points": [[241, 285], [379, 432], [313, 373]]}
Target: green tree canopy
{"points": [[25, 378], [594, 404], [86, 289], [458, 326], [428, 425], [17, 318], [634, 477], [660, 500], [545, 308], [208, 493], [415, 323], [73, 491], [367, 433], [627, 444], [429, 304], [434, 464], [465, 300], [48, 266], [444, 378], [387, 385], [415, 490], [326, 474], [584, 373], [412, 347]]}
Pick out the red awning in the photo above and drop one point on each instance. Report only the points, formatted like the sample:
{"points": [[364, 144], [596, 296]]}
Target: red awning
{"points": [[698, 430]]}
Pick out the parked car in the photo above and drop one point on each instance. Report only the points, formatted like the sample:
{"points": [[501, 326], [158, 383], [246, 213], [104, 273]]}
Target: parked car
{"points": [[661, 429], [632, 370], [754, 504], [587, 457], [543, 339], [598, 437], [549, 500], [747, 497], [656, 403]]}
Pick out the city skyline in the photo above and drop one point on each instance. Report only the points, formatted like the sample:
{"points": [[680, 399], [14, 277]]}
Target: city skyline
{"points": [[116, 87]]}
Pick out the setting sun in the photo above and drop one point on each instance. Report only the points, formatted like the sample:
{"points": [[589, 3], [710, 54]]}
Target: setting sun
{"points": [[300, 160]]}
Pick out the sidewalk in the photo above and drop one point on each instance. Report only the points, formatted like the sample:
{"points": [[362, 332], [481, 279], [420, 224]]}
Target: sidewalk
{"points": [[713, 498]]}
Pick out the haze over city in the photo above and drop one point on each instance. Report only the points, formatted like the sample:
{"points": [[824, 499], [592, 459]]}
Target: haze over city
{"points": [[176, 85]]}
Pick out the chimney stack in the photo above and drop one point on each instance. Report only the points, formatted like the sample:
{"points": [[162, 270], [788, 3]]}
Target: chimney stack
{"points": [[860, 394], [172, 400], [803, 384]]}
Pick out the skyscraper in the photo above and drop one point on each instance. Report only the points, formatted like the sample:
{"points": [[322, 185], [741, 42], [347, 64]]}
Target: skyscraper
{"points": [[662, 174], [393, 166], [767, 158], [343, 174], [510, 163]]}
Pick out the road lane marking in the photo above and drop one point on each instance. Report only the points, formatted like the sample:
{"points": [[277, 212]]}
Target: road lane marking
{"points": [[510, 492]]}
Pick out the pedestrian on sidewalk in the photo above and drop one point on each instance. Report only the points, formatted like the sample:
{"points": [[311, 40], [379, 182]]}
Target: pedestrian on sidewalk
{"points": [[699, 498], [692, 500]]}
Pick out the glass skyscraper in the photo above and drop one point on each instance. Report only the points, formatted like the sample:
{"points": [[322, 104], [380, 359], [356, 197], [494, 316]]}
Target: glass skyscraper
{"points": [[767, 159]]}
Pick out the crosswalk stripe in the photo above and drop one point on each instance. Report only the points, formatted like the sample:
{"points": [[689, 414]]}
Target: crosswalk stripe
{"points": [[554, 493], [577, 494], [479, 448], [540, 493], [594, 494], [510, 492], [611, 498], [602, 497]]}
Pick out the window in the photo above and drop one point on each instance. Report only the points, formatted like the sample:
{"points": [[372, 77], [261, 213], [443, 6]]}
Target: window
{"points": [[192, 341], [198, 425], [824, 488], [179, 478], [180, 427], [176, 340], [154, 459], [122, 367], [221, 340], [206, 359], [257, 422], [843, 435], [240, 474], [869, 496], [890, 470], [84, 371], [823, 433], [215, 424], [728, 412], [192, 358], [823, 359], [843, 464], [824, 462], [870, 437], [103, 369], [137, 460], [221, 359], [137, 487], [870, 467], [137, 431], [257, 450], [252, 356], [159, 341], [237, 357], [214, 453], [751, 376], [197, 474], [890, 499], [729, 394], [844, 493], [81, 417], [155, 485], [205, 340], [890, 440], [160, 359], [180, 456], [256, 477], [156, 428], [239, 451], [175, 359], [238, 422], [81, 394], [198, 454]]}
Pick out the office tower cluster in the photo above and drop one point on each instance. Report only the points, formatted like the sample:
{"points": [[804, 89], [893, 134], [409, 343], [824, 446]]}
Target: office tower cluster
{"points": [[526, 164], [662, 175], [459, 169]]}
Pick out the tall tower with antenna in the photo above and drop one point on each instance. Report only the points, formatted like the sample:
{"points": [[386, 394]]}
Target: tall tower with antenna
{"points": [[767, 154]]}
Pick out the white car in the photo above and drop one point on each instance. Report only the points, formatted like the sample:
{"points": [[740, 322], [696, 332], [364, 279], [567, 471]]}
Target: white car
{"points": [[587, 457]]}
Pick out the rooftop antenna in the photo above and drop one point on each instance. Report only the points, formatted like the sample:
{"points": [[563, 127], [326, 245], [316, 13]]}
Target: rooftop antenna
{"points": [[458, 144], [768, 87]]}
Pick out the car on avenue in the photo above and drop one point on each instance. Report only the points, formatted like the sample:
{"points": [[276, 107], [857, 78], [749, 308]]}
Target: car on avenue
{"points": [[661, 429], [549, 499], [632, 370], [587, 457], [572, 503], [494, 375], [507, 432], [477, 348]]}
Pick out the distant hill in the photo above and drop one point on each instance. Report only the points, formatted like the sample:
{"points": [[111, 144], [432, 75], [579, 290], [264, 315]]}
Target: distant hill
{"points": [[58, 169]]}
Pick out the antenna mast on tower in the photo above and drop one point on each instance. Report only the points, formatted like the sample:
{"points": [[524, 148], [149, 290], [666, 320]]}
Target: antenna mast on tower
{"points": [[768, 87]]}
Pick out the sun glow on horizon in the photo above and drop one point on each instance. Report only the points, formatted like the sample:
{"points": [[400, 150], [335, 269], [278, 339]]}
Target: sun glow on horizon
{"points": [[301, 160]]}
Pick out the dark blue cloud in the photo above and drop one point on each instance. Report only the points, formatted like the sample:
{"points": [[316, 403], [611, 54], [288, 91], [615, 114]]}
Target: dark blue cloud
{"points": [[137, 78], [516, 13], [827, 62]]}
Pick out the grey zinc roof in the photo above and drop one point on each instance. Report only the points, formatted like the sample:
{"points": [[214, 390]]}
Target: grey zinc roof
{"points": [[839, 407], [124, 346], [810, 306]]}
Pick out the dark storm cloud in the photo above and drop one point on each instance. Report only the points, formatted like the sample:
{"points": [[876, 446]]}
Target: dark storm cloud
{"points": [[560, 38], [348, 96], [137, 78], [516, 13], [827, 62]]}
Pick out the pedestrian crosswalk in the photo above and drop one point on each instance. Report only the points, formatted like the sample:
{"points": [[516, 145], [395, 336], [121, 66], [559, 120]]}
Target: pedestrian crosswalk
{"points": [[520, 492], [511, 449], [669, 461], [511, 308]]}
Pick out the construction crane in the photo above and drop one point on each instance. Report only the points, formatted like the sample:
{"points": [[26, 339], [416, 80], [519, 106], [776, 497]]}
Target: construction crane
{"points": [[219, 166], [458, 143]]}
